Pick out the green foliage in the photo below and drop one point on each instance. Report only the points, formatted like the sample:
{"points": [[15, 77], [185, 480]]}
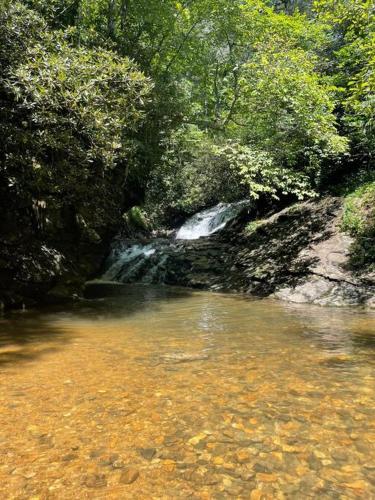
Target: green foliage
{"points": [[197, 172], [135, 219], [289, 110], [248, 98], [20, 28], [352, 24], [240, 70], [252, 226], [359, 212], [260, 173], [83, 93], [354, 181], [359, 221], [68, 119], [192, 174], [257, 112]]}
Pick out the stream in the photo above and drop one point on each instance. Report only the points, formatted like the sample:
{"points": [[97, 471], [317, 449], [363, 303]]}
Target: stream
{"points": [[160, 392]]}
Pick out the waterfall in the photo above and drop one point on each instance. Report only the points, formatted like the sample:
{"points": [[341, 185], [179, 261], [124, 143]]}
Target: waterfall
{"points": [[128, 263], [147, 263], [209, 221]]}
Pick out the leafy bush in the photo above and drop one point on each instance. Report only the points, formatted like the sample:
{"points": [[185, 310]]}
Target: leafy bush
{"points": [[68, 119], [352, 24], [197, 172], [259, 172], [135, 219], [359, 211], [20, 28], [252, 226], [286, 109], [359, 221], [190, 177]]}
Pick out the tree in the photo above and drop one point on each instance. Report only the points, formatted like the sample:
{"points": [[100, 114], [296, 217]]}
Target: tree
{"points": [[68, 117], [352, 27]]}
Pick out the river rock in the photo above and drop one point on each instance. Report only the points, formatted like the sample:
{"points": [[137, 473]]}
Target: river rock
{"points": [[129, 475], [147, 453], [95, 481]]}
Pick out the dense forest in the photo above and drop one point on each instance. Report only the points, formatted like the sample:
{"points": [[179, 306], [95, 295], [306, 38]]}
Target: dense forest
{"points": [[174, 106]]}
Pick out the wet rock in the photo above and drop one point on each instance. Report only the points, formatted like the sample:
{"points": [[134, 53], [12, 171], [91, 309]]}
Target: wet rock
{"points": [[314, 462], [299, 254], [118, 464], [46, 440], [96, 453], [147, 453], [129, 475], [69, 457], [220, 449], [247, 475], [210, 480], [176, 455], [188, 475], [201, 478], [262, 467], [232, 472], [359, 486], [243, 456], [200, 446], [233, 489], [291, 488], [36, 432], [370, 476], [309, 481], [340, 455], [171, 440], [95, 481], [266, 477], [109, 460], [183, 357], [256, 494], [362, 447]]}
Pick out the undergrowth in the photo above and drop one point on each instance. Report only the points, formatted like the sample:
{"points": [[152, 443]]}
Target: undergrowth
{"points": [[359, 221]]}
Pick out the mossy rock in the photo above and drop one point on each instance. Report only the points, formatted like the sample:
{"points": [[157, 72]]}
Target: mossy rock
{"points": [[135, 219]]}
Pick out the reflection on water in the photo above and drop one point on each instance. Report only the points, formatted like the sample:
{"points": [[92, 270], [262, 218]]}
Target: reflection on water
{"points": [[166, 393]]}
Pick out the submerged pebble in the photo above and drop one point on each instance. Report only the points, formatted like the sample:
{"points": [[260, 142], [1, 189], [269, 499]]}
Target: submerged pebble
{"points": [[129, 476]]}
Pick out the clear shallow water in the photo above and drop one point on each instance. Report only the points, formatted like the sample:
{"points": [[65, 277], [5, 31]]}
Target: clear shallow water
{"points": [[202, 395]]}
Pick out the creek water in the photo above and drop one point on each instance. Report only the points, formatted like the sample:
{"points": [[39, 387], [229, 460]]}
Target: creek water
{"points": [[160, 392]]}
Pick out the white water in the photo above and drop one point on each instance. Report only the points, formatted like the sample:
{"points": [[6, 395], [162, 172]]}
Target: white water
{"points": [[209, 221], [129, 261], [146, 263]]}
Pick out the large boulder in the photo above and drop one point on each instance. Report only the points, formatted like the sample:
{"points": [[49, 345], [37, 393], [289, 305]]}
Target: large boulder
{"points": [[298, 254]]}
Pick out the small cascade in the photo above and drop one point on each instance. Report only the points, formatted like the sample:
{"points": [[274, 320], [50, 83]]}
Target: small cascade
{"points": [[147, 263], [209, 221], [128, 263]]}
